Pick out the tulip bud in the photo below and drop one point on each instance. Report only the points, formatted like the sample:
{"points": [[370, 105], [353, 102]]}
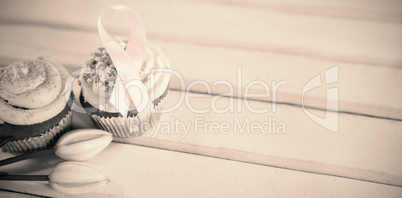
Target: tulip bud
{"points": [[75, 178], [81, 145]]}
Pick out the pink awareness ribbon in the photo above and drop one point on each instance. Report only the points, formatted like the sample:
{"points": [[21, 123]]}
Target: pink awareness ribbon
{"points": [[128, 64]]}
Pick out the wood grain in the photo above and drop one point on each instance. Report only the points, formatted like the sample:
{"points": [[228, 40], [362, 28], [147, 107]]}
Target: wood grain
{"points": [[373, 10], [366, 149], [147, 172], [340, 39], [367, 91], [271, 41]]}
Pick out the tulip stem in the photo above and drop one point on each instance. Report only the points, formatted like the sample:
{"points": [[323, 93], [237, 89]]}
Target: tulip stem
{"points": [[26, 156], [25, 177]]}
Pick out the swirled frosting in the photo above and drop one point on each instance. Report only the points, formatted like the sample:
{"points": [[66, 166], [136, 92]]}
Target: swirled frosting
{"points": [[31, 91], [99, 74]]}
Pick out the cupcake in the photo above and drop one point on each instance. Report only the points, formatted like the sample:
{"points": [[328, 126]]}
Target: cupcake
{"points": [[33, 108], [97, 81]]}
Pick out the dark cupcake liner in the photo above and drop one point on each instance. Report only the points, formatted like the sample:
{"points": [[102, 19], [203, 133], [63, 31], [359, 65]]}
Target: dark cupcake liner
{"points": [[131, 126], [45, 141]]}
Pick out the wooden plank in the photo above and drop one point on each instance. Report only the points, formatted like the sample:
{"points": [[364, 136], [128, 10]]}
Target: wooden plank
{"points": [[382, 11], [364, 90], [366, 149], [339, 39], [147, 172], [15, 194]]}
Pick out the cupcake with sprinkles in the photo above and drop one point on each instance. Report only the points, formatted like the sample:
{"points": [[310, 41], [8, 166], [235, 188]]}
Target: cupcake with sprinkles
{"points": [[98, 81], [121, 77], [33, 108]]}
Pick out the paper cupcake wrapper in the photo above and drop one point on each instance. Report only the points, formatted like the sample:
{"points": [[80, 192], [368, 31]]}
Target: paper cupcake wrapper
{"points": [[46, 141], [131, 126]]}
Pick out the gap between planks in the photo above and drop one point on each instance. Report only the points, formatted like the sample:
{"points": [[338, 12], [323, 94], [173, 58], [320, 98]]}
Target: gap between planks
{"points": [[216, 93]]}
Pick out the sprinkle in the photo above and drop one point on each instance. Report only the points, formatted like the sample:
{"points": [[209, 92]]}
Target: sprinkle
{"points": [[112, 72], [98, 53], [102, 65], [104, 52], [106, 60]]}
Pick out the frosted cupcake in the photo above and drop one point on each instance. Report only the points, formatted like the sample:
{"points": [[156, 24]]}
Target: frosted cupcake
{"points": [[33, 108], [97, 82]]}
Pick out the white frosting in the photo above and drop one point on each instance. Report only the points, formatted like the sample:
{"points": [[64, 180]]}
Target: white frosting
{"points": [[26, 94], [159, 78], [18, 116]]}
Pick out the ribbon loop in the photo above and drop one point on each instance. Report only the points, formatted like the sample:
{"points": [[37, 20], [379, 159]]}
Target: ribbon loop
{"points": [[127, 62]]}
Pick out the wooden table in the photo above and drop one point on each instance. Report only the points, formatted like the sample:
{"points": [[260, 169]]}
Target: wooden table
{"points": [[281, 44]]}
